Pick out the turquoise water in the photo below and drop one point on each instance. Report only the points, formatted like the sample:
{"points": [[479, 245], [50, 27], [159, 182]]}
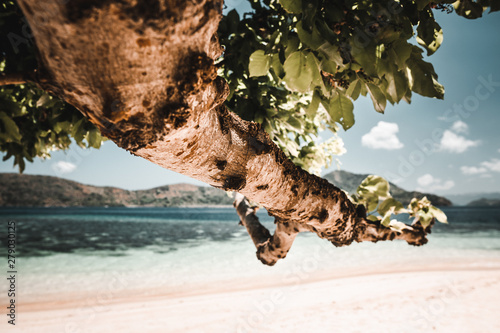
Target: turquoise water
{"points": [[114, 231], [164, 250]]}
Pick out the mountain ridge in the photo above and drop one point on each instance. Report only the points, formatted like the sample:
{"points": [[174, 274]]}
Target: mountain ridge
{"points": [[484, 202], [49, 191], [21, 190], [349, 182], [468, 198]]}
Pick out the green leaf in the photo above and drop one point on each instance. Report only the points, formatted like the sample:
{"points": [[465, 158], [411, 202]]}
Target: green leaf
{"points": [[277, 66], [366, 57], [62, 126], [386, 220], [231, 19], [390, 205], [388, 34], [77, 131], [438, 214], [12, 108], [423, 79], [399, 52], [259, 64], [21, 164], [468, 9], [354, 89], [397, 85], [292, 6], [7, 155], [298, 75], [311, 39], [375, 185], [378, 97], [429, 33], [309, 9], [371, 203], [317, 79], [10, 128], [94, 138], [43, 100], [341, 108], [313, 106], [333, 58], [292, 45], [373, 218], [424, 218]]}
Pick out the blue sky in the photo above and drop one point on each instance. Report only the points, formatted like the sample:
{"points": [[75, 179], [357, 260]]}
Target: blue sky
{"points": [[447, 147]]}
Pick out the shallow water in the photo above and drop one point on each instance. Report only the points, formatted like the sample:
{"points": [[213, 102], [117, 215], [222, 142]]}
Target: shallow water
{"points": [[64, 250]]}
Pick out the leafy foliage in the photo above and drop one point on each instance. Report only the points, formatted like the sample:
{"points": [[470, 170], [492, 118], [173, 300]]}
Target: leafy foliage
{"points": [[260, 65], [374, 194], [289, 61], [33, 123], [296, 66]]}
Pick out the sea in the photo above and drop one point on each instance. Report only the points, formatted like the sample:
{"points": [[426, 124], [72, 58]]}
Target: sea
{"points": [[161, 251]]}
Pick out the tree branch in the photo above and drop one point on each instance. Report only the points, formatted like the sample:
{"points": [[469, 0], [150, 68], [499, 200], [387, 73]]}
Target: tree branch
{"points": [[14, 78], [375, 231], [146, 77], [269, 248]]}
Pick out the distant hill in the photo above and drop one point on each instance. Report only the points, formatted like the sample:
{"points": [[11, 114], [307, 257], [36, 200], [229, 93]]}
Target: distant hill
{"points": [[465, 199], [483, 202], [46, 191], [350, 182]]}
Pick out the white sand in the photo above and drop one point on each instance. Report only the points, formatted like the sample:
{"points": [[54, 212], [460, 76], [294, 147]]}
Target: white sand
{"points": [[449, 297]]}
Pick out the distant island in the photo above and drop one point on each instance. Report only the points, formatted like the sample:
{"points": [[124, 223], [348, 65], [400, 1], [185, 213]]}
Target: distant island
{"points": [[473, 199], [349, 182], [483, 202], [47, 191], [19, 190]]}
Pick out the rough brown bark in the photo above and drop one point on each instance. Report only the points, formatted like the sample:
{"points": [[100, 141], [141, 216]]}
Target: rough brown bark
{"points": [[269, 248], [144, 73]]}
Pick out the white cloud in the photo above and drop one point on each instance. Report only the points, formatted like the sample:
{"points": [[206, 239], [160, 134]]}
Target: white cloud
{"points": [[454, 143], [493, 165], [472, 170], [63, 167], [428, 183], [460, 127], [484, 167], [382, 136]]}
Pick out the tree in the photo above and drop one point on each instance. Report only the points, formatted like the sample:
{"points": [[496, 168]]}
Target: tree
{"points": [[145, 74]]}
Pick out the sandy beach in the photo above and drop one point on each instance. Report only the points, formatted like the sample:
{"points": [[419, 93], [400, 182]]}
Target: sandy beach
{"points": [[440, 297]]}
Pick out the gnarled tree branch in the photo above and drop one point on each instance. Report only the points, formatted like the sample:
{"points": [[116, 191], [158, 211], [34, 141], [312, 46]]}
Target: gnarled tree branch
{"points": [[144, 73], [375, 231], [16, 78], [269, 248], [272, 248]]}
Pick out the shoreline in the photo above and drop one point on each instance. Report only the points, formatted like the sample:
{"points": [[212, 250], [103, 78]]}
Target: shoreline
{"points": [[248, 285], [359, 296]]}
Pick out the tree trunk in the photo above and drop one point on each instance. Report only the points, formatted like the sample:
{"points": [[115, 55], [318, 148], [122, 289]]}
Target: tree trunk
{"points": [[144, 73]]}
